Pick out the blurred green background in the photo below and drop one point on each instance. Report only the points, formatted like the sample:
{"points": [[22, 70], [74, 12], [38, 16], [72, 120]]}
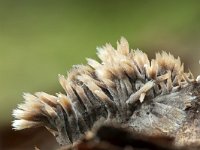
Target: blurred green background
{"points": [[41, 39]]}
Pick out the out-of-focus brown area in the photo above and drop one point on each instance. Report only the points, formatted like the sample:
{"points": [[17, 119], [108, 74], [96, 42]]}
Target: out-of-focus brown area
{"points": [[27, 139], [41, 39]]}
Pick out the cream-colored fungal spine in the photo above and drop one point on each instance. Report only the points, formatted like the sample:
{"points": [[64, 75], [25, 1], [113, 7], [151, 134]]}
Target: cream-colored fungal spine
{"points": [[107, 90]]}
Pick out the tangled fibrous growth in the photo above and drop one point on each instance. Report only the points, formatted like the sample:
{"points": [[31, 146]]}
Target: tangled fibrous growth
{"points": [[149, 96]]}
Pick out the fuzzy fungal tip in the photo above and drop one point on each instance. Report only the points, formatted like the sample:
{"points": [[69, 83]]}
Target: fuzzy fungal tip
{"points": [[149, 96]]}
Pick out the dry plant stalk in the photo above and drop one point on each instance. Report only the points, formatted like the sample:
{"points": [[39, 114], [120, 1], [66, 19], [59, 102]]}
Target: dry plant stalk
{"points": [[152, 97]]}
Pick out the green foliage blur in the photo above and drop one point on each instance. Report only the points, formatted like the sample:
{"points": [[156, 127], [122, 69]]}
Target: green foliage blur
{"points": [[41, 39]]}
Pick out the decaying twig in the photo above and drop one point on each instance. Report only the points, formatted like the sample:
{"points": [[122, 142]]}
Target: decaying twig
{"points": [[153, 97], [115, 138]]}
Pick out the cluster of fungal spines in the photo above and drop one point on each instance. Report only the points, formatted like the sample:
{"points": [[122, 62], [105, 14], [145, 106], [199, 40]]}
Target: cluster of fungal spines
{"points": [[109, 90]]}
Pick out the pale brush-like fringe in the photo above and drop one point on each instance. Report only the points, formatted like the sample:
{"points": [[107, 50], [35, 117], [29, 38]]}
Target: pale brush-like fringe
{"points": [[102, 89]]}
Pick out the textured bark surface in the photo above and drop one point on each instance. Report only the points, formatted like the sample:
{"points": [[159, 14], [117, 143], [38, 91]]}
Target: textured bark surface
{"points": [[175, 114], [114, 138]]}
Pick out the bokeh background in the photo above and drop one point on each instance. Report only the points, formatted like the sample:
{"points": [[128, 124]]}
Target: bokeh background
{"points": [[41, 39]]}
